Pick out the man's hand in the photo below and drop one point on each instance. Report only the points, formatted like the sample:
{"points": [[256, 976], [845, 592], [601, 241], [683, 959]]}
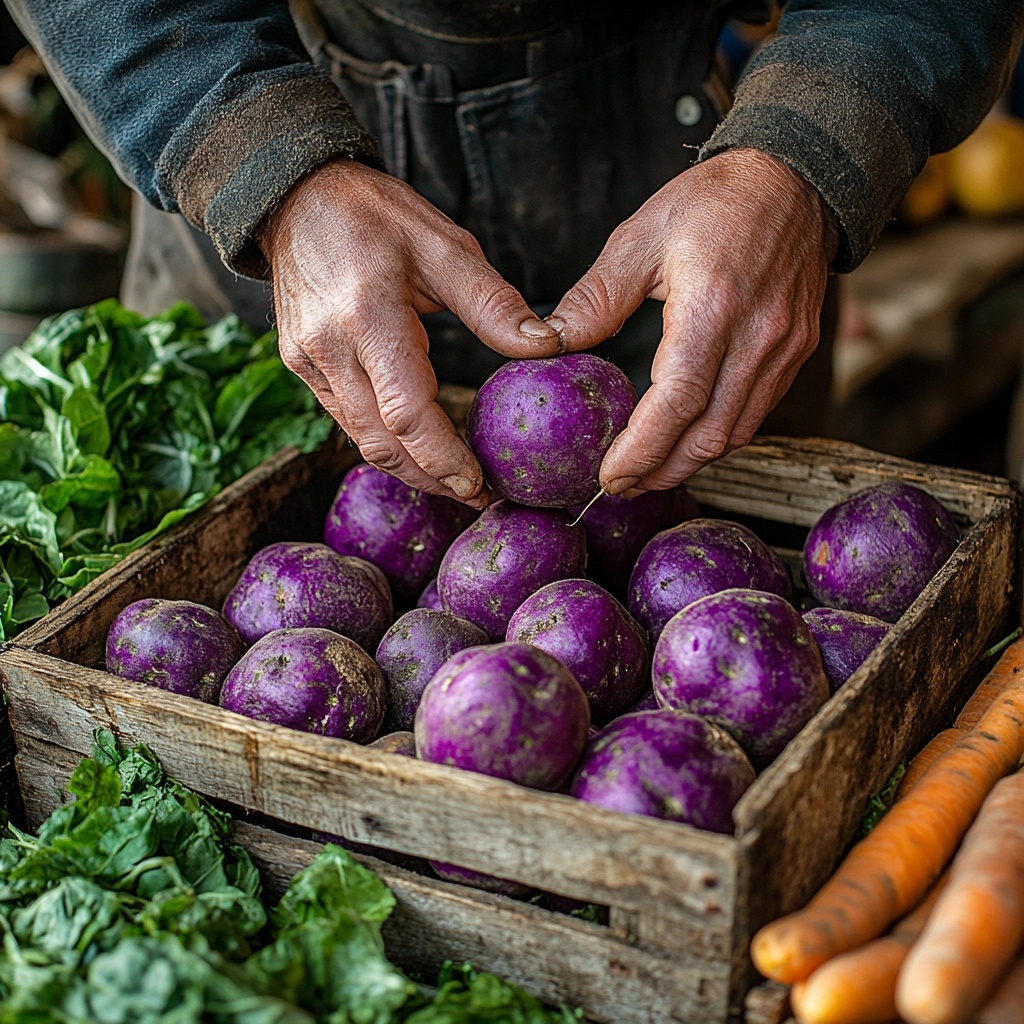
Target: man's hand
{"points": [[738, 249], [356, 256]]}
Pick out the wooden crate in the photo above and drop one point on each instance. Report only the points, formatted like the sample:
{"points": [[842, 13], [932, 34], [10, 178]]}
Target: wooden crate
{"points": [[684, 903]]}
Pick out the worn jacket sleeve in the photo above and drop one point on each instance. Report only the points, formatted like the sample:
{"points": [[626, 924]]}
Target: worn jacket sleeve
{"points": [[854, 95], [211, 109]]}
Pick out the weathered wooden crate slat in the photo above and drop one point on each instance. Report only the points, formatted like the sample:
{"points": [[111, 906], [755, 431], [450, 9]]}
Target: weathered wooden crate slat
{"points": [[413, 807], [553, 955], [684, 903]]}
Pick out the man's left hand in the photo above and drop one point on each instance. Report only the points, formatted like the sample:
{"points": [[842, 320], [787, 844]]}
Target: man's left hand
{"points": [[738, 249]]}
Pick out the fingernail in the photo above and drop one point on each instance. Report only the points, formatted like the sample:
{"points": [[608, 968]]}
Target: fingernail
{"points": [[556, 323], [622, 484], [536, 329], [459, 484]]}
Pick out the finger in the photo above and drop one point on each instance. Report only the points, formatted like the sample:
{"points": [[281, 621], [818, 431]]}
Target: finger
{"points": [[405, 388], [597, 306], [722, 429], [491, 308], [683, 376], [741, 401], [351, 400], [382, 449], [303, 367]]}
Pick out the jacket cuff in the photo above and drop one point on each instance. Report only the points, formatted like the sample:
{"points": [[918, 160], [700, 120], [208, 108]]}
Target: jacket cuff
{"points": [[227, 173], [837, 137]]}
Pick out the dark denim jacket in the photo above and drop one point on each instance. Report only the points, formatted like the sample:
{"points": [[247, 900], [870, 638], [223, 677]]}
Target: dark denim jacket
{"points": [[214, 108]]}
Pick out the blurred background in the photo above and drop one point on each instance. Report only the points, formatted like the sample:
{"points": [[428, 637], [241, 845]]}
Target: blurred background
{"points": [[931, 336]]}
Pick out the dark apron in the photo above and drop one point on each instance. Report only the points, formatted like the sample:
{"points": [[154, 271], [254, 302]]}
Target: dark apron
{"points": [[539, 143]]}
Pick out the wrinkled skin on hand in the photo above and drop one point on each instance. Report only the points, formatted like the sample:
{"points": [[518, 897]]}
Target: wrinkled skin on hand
{"points": [[738, 249], [356, 255]]}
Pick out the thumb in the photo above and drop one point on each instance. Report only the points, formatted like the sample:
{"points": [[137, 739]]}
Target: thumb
{"points": [[599, 303], [495, 311]]}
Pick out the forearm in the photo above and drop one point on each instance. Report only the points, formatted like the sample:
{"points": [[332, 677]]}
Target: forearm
{"points": [[210, 109], [854, 94]]}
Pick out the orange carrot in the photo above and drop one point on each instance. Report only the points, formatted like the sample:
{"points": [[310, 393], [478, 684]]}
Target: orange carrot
{"points": [[980, 701], [1006, 1004], [859, 987], [925, 758], [889, 871], [977, 926]]}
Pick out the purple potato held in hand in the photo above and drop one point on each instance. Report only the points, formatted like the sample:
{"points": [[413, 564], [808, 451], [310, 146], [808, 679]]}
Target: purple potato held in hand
{"points": [[412, 650], [507, 710], [401, 530], [746, 660], [430, 598], [298, 585], [666, 764], [507, 554], [179, 646], [698, 558], [876, 551], [309, 679], [617, 529], [844, 639], [540, 427], [593, 636]]}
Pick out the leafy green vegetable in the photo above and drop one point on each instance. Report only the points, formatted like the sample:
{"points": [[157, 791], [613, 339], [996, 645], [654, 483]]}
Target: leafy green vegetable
{"points": [[465, 995], [114, 427], [132, 906]]}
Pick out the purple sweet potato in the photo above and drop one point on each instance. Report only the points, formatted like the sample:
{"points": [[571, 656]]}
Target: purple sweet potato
{"points": [[874, 552], [697, 558], [430, 598], [309, 679], [507, 554], [507, 710], [401, 530], [412, 650], [478, 880], [540, 427], [593, 636], [744, 659], [648, 702], [666, 764], [844, 639], [295, 585], [617, 529], [401, 743], [178, 646]]}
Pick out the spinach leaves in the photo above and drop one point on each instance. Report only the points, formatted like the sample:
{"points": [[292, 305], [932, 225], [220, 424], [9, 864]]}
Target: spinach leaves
{"points": [[133, 906], [114, 427]]}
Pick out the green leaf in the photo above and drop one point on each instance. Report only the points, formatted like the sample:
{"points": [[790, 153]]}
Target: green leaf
{"points": [[95, 485], [328, 955], [86, 414], [467, 997], [28, 607], [334, 883], [95, 785], [26, 522], [68, 917]]}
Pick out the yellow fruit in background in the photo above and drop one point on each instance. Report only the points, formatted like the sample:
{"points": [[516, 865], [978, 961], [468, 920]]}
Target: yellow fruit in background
{"points": [[928, 196], [986, 171]]}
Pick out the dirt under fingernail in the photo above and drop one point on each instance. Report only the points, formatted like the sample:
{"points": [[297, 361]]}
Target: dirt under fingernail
{"points": [[536, 329], [461, 486]]}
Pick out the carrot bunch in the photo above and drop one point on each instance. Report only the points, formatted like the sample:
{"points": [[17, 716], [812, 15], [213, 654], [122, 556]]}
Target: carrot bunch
{"points": [[955, 953]]}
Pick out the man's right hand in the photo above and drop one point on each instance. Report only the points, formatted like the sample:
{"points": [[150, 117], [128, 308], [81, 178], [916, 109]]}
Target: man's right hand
{"points": [[356, 256]]}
